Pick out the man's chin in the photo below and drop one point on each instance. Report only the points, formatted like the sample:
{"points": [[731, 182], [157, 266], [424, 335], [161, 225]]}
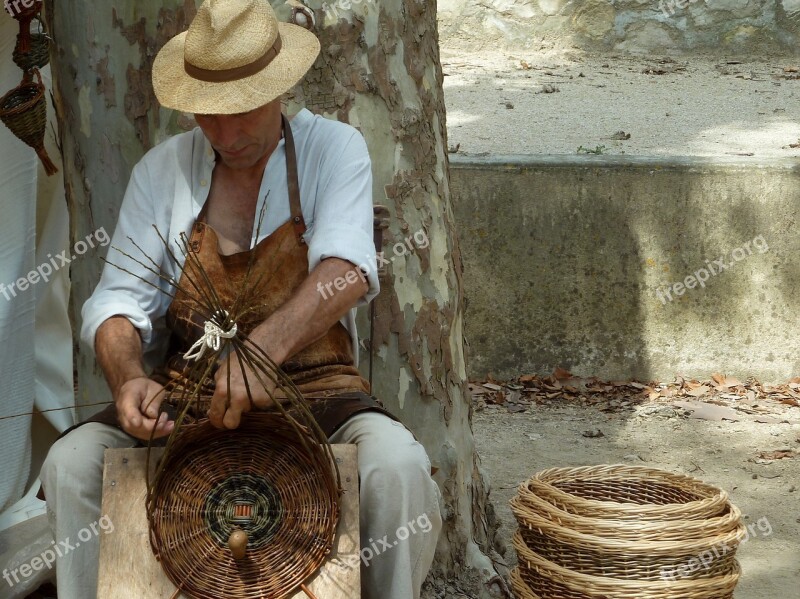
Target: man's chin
{"points": [[244, 160]]}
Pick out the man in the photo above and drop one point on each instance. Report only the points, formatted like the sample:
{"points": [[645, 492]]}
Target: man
{"points": [[212, 184]]}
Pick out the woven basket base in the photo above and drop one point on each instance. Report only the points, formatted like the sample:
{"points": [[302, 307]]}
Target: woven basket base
{"points": [[258, 478]]}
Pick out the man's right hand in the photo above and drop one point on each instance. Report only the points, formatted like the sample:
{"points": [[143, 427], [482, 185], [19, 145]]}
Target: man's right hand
{"points": [[137, 402]]}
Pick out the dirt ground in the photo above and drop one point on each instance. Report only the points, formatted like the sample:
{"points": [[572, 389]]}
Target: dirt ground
{"points": [[556, 101], [513, 446]]}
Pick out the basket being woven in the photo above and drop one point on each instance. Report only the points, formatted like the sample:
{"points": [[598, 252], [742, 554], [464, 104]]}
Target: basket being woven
{"points": [[260, 479]]}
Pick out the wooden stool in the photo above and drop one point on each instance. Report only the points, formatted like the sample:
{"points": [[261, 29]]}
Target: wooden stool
{"points": [[128, 567]]}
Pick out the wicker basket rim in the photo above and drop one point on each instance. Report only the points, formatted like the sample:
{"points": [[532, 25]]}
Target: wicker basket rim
{"points": [[26, 105], [570, 536], [621, 471], [525, 501], [716, 496], [579, 581], [688, 511]]}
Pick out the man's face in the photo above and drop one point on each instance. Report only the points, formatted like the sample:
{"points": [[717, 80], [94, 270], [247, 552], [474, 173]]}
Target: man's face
{"points": [[243, 140]]}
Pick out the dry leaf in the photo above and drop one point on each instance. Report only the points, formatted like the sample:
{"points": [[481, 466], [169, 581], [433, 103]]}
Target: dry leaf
{"points": [[776, 455], [560, 374], [493, 387], [699, 391], [719, 379]]}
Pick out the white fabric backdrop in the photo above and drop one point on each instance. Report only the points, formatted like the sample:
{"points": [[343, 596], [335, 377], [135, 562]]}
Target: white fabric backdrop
{"points": [[35, 353]]}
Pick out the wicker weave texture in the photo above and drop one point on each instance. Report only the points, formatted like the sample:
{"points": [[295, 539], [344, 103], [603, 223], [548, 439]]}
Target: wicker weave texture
{"points": [[258, 478], [624, 532], [23, 111]]}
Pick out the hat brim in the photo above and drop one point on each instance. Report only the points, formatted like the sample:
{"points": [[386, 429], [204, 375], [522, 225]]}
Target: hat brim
{"points": [[175, 89]]}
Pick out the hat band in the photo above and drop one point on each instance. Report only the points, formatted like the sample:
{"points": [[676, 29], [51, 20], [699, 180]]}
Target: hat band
{"points": [[236, 73]]}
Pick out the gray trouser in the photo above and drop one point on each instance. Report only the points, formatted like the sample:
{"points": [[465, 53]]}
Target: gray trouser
{"points": [[399, 502]]}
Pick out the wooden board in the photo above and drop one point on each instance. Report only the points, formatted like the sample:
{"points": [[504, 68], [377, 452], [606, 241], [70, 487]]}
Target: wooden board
{"points": [[128, 567]]}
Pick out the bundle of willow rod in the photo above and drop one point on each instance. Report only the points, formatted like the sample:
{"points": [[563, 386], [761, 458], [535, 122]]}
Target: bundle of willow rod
{"points": [[274, 478], [624, 532]]}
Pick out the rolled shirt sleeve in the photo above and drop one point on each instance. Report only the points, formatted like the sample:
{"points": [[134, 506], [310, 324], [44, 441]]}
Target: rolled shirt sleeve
{"points": [[343, 214]]}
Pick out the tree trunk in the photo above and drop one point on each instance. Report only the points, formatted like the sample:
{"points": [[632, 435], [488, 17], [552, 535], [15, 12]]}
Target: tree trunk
{"points": [[108, 118], [379, 70]]}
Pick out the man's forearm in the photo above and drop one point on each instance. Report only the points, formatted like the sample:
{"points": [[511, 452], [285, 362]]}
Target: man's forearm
{"points": [[308, 314], [118, 347]]}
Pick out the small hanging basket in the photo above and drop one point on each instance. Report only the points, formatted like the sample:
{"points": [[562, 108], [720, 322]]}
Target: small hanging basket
{"points": [[38, 54], [23, 110], [25, 16]]}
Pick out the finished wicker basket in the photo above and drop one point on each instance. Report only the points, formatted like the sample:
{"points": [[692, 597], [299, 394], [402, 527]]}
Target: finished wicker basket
{"points": [[23, 110], [624, 532], [38, 53]]}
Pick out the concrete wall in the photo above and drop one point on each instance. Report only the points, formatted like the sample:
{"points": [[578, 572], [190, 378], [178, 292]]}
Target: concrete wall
{"points": [[636, 26], [571, 261]]}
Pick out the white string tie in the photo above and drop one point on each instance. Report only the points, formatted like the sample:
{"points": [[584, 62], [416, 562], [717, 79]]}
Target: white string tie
{"points": [[211, 338]]}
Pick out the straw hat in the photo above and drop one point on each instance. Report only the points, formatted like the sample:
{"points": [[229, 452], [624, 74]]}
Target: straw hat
{"points": [[235, 57]]}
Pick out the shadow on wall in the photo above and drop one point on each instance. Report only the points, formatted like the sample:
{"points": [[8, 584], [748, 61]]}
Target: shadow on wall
{"points": [[614, 267], [549, 272]]}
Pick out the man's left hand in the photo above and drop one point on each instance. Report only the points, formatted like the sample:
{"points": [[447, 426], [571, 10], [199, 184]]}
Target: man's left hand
{"points": [[231, 399]]}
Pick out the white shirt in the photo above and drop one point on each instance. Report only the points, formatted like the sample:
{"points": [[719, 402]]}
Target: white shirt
{"points": [[169, 186]]}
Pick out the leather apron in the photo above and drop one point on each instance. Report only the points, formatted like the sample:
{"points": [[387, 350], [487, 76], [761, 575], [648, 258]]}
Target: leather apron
{"points": [[266, 277]]}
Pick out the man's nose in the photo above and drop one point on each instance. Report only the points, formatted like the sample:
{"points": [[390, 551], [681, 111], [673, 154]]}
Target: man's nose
{"points": [[226, 131]]}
